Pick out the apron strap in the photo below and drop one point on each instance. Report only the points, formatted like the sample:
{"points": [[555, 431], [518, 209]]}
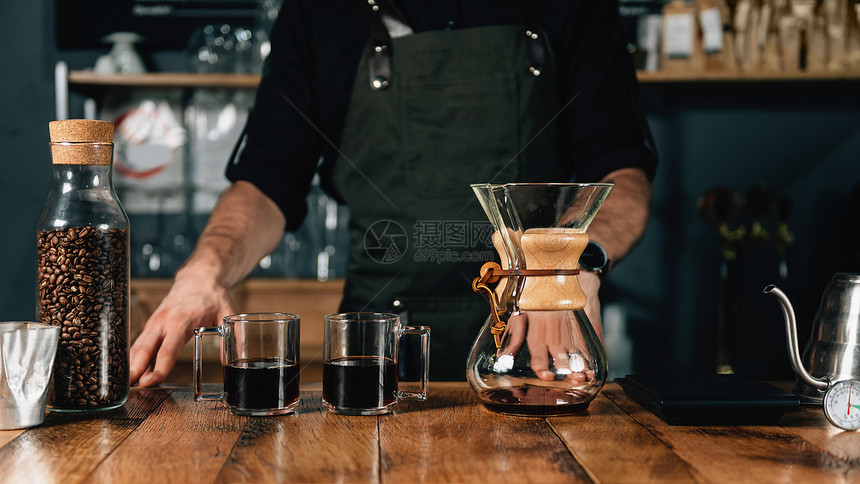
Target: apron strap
{"points": [[387, 22], [535, 51]]}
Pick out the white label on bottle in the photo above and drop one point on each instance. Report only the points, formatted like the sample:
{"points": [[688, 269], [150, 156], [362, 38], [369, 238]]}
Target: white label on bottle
{"points": [[678, 37], [712, 30]]}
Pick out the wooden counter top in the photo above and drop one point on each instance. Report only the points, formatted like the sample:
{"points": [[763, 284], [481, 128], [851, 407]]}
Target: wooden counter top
{"points": [[161, 435]]}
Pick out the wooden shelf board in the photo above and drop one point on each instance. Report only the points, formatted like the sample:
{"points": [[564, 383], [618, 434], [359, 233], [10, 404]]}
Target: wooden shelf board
{"points": [[273, 284], [163, 79], [672, 77], [85, 78]]}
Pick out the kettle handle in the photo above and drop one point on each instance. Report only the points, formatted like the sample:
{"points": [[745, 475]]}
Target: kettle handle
{"points": [[793, 348]]}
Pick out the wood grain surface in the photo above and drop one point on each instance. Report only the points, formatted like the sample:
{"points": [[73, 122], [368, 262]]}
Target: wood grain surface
{"points": [[69, 446], [162, 435], [311, 446], [452, 438], [617, 449], [181, 441], [740, 453]]}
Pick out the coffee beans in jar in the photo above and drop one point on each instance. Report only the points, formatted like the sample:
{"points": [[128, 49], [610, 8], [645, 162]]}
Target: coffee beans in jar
{"points": [[82, 269], [83, 289]]}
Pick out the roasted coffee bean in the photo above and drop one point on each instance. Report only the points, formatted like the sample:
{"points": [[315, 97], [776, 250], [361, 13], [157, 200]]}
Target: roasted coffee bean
{"points": [[83, 289]]}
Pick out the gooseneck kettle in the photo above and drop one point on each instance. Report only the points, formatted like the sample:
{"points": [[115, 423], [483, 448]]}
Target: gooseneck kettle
{"points": [[832, 353]]}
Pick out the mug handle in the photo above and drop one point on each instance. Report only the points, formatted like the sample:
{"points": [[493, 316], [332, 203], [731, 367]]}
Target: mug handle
{"points": [[199, 333], [424, 332]]}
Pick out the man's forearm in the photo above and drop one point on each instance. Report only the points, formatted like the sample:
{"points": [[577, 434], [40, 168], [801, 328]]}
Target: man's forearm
{"points": [[621, 221], [244, 227]]}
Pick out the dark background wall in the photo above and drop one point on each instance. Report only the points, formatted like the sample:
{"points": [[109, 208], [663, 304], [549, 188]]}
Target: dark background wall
{"points": [[800, 138], [26, 104]]}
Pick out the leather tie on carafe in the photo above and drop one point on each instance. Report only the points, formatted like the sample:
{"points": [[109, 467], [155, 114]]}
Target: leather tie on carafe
{"points": [[549, 283]]}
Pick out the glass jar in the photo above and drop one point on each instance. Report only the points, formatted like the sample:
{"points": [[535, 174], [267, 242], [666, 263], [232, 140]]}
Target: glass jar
{"points": [[83, 270]]}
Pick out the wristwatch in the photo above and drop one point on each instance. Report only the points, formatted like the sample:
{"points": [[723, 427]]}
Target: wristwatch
{"points": [[595, 259]]}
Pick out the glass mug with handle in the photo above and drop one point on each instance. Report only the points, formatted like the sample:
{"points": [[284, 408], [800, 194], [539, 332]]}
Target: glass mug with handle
{"points": [[360, 362], [260, 358]]}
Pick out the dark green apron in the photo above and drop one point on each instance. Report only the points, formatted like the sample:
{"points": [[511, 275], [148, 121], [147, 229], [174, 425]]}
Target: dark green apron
{"points": [[457, 107]]}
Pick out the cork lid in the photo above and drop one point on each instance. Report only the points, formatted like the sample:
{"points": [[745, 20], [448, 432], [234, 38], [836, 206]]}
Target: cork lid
{"points": [[89, 142], [81, 131]]}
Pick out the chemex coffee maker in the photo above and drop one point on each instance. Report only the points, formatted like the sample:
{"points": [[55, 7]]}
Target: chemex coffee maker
{"points": [[537, 353]]}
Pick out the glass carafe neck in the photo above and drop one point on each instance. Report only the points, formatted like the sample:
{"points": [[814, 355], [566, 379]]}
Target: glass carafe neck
{"points": [[81, 177], [82, 191], [81, 165]]}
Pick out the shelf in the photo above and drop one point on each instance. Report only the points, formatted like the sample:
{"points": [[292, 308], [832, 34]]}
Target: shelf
{"points": [[163, 79], [83, 78], [681, 77]]}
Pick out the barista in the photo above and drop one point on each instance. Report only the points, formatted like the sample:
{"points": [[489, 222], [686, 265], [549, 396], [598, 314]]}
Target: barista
{"points": [[405, 106]]}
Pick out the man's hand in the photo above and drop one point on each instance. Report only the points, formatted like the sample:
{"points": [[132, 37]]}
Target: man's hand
{"points": [[553, 336], [554, 340], [190, 303], [245, 226]]}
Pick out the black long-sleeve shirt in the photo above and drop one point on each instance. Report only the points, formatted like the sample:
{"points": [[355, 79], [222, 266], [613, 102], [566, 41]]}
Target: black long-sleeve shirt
{"points": [[303, 97]]}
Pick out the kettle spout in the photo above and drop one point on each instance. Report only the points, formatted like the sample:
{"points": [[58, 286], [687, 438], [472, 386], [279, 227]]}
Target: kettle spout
{"points": [[791, 332]]}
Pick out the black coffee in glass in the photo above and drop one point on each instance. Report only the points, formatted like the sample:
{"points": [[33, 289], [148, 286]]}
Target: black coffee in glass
{"points": [[360, 363], [261, 383], [360, 382]]}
